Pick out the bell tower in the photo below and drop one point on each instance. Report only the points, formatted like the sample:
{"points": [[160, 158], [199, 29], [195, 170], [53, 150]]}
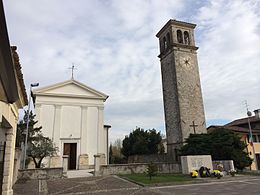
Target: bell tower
{"points": [[183, 104]]}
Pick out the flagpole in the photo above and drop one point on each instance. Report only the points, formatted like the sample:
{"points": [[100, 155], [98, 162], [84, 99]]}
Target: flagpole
{"points": [[251, 137]]}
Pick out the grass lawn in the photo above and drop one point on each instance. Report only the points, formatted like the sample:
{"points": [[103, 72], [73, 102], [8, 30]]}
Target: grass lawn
{"points": [[160, 178]]}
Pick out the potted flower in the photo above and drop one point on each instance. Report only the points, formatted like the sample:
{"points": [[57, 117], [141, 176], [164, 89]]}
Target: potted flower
{"points": [[217, 173], [194, 173], [232, 172]]}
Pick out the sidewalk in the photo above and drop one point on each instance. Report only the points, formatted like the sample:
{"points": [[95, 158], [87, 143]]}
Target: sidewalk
{"points": [[76, 186]]}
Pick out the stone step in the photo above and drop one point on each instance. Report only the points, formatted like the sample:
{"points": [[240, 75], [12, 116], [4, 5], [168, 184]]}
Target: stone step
{"points": [[80, 173]]}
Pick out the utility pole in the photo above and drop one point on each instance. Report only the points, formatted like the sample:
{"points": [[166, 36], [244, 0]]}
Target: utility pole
{"points": [[249, 114], [27, 123]]}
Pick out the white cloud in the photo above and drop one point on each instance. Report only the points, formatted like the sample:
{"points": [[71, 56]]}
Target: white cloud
{"points": [[229, 54], [115, 50]]}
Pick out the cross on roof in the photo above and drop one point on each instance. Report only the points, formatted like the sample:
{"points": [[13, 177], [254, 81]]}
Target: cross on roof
{"points": [[72, 71], [194, 126]]}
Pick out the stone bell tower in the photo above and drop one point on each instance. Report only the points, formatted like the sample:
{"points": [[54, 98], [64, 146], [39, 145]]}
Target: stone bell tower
{"points": [[183, 104]]}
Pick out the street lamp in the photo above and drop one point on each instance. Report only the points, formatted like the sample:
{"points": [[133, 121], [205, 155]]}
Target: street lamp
{"points": [[27, 123], [251, 138]]}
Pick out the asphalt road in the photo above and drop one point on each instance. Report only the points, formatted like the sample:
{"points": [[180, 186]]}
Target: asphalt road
{"points": [[242, 186]]}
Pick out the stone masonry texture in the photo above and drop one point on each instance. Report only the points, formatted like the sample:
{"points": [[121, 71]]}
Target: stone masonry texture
{"points": [[182, 94]]}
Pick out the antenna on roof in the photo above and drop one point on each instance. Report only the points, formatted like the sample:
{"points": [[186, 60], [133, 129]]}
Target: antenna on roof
{"points": [[247, 106], [72, 70]]}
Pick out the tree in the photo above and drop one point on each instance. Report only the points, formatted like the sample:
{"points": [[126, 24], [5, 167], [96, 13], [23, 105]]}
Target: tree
{"points": [[115, 154], [152, 170], [39, 148], [38, 145], [21, 129], [221, 144], [140, 141]]}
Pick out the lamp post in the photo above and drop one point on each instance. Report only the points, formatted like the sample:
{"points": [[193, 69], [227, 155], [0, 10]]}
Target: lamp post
{"points": [[27, 123], [251, 137]]}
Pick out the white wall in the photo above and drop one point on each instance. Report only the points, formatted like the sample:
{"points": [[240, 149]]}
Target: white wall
{"points": [[70, 122], [73, 120], [47, 118], [92, 131]]}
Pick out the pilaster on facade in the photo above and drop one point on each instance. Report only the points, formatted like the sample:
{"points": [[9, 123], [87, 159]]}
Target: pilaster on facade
{"points": [[101, 133], [56, 123], [37, 109], [84, 130], [8, 162]]}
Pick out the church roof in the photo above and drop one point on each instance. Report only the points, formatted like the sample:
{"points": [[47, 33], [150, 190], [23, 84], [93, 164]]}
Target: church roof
{"points": [[70, 88]]}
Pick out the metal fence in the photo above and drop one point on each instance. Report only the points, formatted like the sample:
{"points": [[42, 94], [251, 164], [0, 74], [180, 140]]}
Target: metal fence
{"points": [[2, 155]]}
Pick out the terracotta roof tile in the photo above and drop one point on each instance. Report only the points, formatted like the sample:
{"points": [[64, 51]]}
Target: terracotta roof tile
{"points": [[241, 121], [18, 69]]}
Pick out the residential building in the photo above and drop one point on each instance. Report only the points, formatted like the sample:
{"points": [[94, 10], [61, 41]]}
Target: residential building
{"points": [[12, 97], [241, 127]]}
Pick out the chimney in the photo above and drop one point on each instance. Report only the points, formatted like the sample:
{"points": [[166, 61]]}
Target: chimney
{"points": [[257, 113]]}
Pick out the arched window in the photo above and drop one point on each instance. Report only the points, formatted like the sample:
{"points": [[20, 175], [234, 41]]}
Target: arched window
{"points": [[165, 45], [186, 38], [168, 39], [179, 36], [161, 46]]}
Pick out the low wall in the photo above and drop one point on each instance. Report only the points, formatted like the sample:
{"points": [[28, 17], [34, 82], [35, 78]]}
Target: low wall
{"points": [[138, 168], [227, 165], [46, 173], [147, 158]]}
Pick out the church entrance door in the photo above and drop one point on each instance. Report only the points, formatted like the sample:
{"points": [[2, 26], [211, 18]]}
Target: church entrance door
{"points": [[71, 150]]}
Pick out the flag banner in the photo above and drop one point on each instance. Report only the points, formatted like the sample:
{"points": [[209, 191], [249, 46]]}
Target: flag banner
{"points": [[250, 139]]}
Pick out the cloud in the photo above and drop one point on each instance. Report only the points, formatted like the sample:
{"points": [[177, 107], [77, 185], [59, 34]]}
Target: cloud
{"points": [[113, 45], [228, 56]]}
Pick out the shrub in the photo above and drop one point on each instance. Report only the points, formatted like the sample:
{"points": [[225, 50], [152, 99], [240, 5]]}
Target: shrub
{"points": [[152, 170]]}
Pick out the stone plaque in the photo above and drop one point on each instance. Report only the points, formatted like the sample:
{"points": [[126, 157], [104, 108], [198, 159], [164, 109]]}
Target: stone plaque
{"points": [[189, 163]]}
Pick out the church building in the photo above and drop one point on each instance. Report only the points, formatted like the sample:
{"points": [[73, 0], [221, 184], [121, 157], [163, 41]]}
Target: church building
{"points": [[72, 115]]}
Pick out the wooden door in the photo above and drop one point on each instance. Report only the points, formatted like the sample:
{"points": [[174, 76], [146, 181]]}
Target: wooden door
{"points": [[73, 156], [70, 149]]}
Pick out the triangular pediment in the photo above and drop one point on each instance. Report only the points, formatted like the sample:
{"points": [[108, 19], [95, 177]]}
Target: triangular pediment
{"points": [[70, 88]]}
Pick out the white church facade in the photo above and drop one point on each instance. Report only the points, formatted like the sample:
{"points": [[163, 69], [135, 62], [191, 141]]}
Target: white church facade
{"points": [[72, 115]]}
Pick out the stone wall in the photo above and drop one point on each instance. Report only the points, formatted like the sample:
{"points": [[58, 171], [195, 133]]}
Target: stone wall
{"points": [[226, 164], [147, 158], [17, 163], [47, 173], [138, 168]]}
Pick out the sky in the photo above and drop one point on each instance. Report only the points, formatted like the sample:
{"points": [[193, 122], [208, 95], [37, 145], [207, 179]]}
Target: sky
{"points": [[113, 46]]}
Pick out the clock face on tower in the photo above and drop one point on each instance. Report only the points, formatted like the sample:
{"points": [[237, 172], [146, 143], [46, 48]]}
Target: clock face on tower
{"points": [[186, 62]]}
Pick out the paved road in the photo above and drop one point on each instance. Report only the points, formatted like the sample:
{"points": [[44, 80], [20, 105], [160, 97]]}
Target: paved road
{"points": [[112, 185], [241, 186]]}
